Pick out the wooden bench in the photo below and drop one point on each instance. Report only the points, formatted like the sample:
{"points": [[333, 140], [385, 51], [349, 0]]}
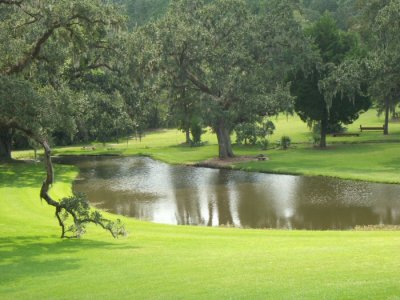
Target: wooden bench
{"points": [[344, 134], [372, 128], [261, 157], [89, 148]]}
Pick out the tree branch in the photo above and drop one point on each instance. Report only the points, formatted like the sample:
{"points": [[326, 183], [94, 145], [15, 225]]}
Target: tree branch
{"points": [[203, 87], [34, 53]]}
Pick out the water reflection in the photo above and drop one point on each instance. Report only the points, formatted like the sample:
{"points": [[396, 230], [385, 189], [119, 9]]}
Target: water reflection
{"points": [[158, 192]]}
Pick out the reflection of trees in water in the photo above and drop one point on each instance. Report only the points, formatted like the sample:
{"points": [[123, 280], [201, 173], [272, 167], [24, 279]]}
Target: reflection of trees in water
{"points": [[336, 204], [131, 204], [210, 212], [205, 197], [188, 207], [188, 200], [315, 203], [388, 208], [271, 203], [254, 207], [220, 184], [325, 218], [186, 197]]}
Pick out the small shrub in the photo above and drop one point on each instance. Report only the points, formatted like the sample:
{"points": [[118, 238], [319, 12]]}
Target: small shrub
{"points": [[196, 129], [263, 143], [251, 133], [316, 134]]}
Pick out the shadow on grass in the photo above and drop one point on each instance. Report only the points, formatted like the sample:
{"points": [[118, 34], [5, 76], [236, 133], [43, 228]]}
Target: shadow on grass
{"points": [[32, 256], [392, 165], [29, 174]]}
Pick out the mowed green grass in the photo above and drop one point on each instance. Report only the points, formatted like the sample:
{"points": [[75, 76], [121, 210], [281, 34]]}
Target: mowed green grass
{"points": [[371, 156], [177, 262]]}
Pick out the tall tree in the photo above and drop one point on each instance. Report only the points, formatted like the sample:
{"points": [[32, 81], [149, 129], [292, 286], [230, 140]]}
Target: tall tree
{"points": [[232, 60], [385, 51], [311, 104], [40, 42], [379, 70]]}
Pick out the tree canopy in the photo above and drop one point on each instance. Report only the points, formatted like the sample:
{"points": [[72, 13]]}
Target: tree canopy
{"points": [[311, 104], [47, 46], [229, 58]]}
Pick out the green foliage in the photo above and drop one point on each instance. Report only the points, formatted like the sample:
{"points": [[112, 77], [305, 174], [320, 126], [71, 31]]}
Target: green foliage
{"points": [[21, 104], [61, 49], [233, 64], [263, 142], [196, 130], [142, 11], [246, 133], [77, 207], [345, 12], [250, 133], [312, 104], [346, 159]]}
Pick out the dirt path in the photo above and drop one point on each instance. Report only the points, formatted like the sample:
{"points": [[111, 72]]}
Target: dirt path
{"points": [[226, 163]]}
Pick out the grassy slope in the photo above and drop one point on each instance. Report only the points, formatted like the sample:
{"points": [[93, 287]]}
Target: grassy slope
{"points": [[165, 262]]}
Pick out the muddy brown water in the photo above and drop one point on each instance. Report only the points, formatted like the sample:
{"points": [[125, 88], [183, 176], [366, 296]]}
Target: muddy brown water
{"points": [[154, 191]]}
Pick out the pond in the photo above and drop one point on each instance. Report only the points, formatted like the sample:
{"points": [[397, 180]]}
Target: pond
{"points": [[154, 191]]}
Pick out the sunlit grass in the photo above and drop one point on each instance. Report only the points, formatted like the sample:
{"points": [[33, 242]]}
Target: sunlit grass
{"points": [[178, 262]]}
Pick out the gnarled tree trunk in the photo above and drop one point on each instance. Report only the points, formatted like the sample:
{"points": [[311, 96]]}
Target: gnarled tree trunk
{"points": [[5, 143], [224, 140]]}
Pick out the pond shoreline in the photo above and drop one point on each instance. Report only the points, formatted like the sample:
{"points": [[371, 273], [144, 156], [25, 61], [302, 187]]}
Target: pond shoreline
{"points": [[231, 197], [216, 163]]}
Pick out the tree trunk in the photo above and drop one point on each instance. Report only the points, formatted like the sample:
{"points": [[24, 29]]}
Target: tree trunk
{"points": [[187, 126], [224, 140], [5, 143], [387, 108], [324, 129], [187, 132]]}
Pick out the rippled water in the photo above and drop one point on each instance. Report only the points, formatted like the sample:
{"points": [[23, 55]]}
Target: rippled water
{"points": [[150, 190]]}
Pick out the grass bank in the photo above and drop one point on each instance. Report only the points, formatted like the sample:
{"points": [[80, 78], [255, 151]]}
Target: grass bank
{"points": [[177, 262]]}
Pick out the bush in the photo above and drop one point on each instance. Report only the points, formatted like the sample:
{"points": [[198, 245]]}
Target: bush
{"points": [[263, 143], [246, 133], [196, 129], [250, 133]]}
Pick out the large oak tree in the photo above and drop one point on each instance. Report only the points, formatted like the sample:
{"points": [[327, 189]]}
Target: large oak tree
{"points": [[44, 45], [232, 61]]}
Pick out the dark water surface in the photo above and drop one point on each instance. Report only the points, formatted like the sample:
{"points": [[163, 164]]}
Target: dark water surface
{"points": [[150, 190]]}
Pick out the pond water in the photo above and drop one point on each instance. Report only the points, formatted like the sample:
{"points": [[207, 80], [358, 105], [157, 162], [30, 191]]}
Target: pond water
{"points": [[151, 190]]}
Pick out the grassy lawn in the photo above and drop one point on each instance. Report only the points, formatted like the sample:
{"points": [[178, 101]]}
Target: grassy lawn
{"points": [[177, 262], [371, 156]]}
